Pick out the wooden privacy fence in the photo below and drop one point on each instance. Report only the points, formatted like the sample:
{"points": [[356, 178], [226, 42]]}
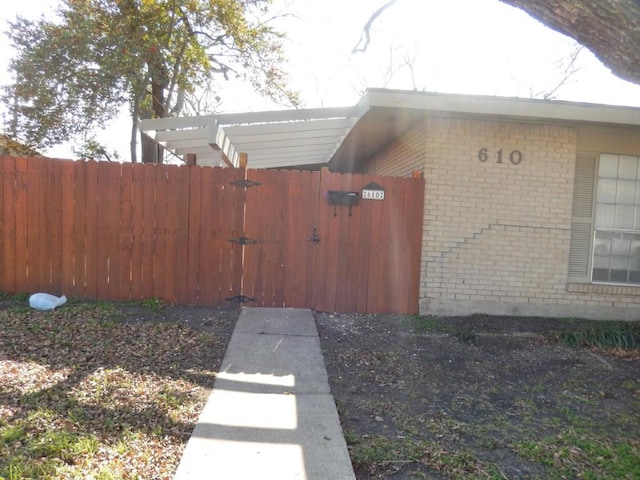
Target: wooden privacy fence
{"points": [[200, 235], [119, 231]]}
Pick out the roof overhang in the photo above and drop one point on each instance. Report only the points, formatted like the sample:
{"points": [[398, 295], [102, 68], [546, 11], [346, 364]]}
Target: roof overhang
{"points": [[387, 114], [348, 135]]}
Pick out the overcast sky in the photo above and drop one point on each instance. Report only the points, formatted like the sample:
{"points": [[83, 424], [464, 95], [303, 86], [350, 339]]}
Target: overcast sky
{"points": [[456, 46]]}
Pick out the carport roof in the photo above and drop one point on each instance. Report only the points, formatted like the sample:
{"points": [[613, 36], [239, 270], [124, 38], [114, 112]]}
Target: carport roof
{"points": [[272, 139], [343, 136]]}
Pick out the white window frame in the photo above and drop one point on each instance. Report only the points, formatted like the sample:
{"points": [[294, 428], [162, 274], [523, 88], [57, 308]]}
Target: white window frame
{"points": [[619, 231]]}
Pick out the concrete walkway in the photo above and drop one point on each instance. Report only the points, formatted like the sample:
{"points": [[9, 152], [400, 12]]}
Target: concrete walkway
{"points": [[270, 414]]}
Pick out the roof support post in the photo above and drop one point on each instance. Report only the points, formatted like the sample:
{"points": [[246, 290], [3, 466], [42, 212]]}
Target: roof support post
{"points": [[243, 159]]}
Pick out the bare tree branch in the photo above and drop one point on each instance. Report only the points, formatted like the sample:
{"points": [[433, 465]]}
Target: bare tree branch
{"points": [[568, 68], [365, 36]]}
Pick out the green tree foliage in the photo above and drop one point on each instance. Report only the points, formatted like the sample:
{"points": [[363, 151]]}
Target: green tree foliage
{"points": [[91, 149], [74, 72]]}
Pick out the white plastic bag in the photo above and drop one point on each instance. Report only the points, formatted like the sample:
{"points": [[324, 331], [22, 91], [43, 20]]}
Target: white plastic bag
{"points": [[45, 301]]}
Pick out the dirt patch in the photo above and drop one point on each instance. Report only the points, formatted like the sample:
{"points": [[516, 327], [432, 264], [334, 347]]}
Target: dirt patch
{"points": [[480, 397]]}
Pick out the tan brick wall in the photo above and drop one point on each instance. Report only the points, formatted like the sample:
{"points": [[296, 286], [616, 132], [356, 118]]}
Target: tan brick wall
{"points": [[402, 157], [496, 235]]}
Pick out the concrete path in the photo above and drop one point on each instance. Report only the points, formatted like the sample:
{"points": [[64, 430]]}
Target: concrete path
{"points": [[271, 414]]}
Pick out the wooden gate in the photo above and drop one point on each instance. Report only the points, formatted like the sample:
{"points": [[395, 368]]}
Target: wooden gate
{"points": [[305, 247]]}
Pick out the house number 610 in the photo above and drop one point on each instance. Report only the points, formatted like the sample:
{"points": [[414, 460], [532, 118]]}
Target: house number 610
{"points": [[515, 157]]}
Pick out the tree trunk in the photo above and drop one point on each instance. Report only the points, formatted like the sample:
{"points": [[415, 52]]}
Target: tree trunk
{"points": [[150, 153], [609, 28]]}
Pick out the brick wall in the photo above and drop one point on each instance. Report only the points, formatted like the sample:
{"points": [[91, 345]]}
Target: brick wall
{"points": [[496, 234]]}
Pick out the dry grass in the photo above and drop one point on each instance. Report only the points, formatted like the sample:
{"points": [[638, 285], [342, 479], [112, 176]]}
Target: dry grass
{"points": [[85, 392]]}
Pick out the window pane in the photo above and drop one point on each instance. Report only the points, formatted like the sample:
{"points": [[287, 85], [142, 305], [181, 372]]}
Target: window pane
{"points": [[607, 191], [602, 244], [620, 246], [618, 276], [625, 216], [605, 216], [628, 167], [601, 262], [608, 166], [616, 257], [600, 269], [619, 267], [626, 192], [634, 270]]}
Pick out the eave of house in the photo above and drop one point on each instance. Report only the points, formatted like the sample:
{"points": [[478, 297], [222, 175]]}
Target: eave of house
{"points": [[342, 137], [387, 114]]}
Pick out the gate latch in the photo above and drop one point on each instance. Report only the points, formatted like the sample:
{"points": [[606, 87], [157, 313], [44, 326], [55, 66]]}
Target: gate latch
{"points": [[315, 236]]}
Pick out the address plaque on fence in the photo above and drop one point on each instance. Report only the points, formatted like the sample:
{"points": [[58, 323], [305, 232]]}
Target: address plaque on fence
{"points": [[373, 191]]}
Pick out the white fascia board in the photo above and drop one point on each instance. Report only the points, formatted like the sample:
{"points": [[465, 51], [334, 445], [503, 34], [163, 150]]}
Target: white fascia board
{"points": [[504, 106]]}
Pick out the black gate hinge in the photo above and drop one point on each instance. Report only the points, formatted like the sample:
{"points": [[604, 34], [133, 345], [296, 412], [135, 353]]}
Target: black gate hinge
{"points": [[240, 299], [245, 183], [244, 240]]}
